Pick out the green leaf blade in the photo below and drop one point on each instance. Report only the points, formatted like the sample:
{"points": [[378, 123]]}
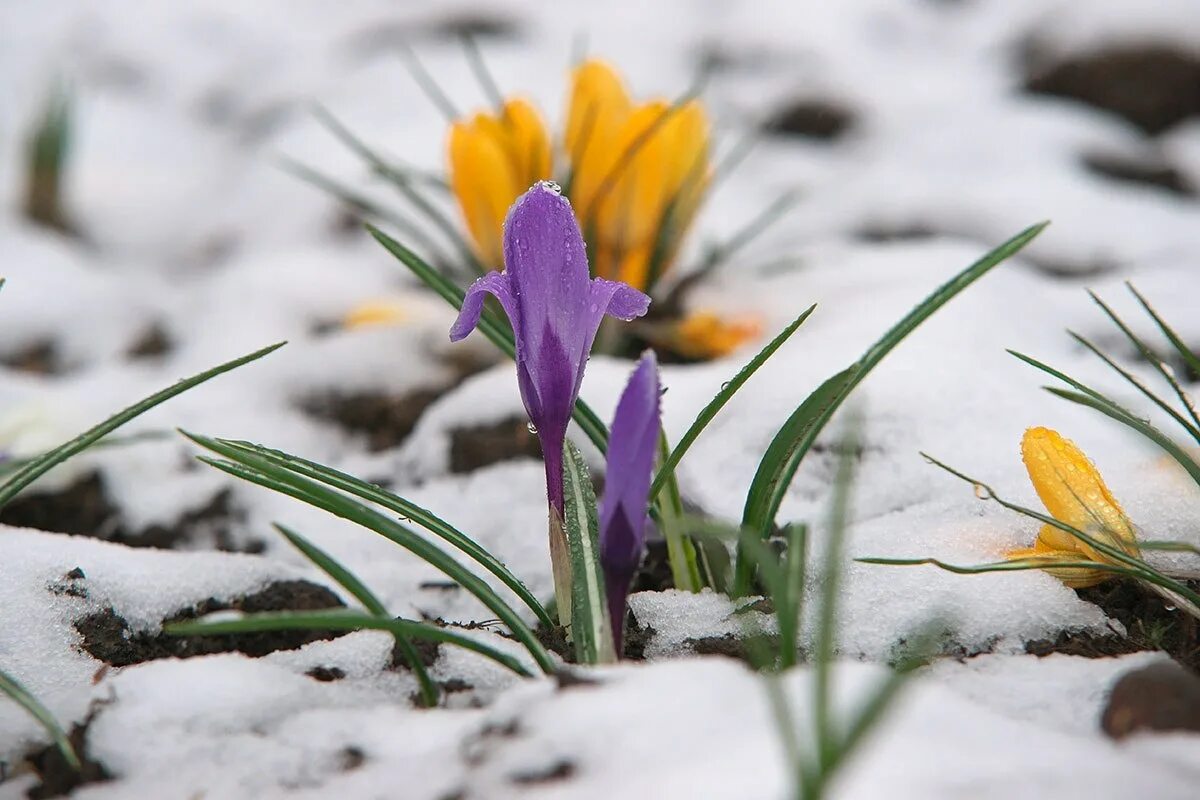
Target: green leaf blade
{"points": [[591, 630]]}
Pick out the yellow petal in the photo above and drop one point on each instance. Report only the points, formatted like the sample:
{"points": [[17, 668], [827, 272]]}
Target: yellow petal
{"points": [[375, 312], [705, 335], [482, 178], [1073, 492], [493, 159], [598, 106]]}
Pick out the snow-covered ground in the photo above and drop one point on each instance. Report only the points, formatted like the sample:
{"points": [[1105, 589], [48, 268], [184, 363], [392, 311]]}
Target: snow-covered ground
{"points": [[181, 111]]}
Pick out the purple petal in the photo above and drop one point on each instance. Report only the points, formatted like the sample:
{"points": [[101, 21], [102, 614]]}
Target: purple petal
{"points": [[624, 301], [496, 283], [632, 444]]}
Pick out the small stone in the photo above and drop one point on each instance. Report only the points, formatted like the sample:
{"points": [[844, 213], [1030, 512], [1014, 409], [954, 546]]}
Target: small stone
{"points": [[1161, 697]]}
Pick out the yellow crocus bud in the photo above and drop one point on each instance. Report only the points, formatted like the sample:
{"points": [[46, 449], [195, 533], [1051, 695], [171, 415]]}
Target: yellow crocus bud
{"points": [[1073, 492], [493, 158]]}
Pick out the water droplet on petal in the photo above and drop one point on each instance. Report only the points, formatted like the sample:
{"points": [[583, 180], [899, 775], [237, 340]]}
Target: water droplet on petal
{"points": [[531, 428], [663, 391], [552, 186]]}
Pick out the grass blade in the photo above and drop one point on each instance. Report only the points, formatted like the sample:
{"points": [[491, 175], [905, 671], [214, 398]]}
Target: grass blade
{"points": [[258, 470], [792, 443], [405, 508], [1133, 381], [11, 687], [591, 630], [39, 466], [1189, 358], [350, 582], [341, 620], [728, 390], [1154, 360], [498, 333]]}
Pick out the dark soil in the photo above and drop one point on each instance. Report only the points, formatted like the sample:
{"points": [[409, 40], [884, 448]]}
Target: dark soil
{"points": [[42, 357], [84, 509], [428, 651], [1153, 86], [153, 342], [811, 118], [58, 777], [351, 758], [384, 420], [637, 637], [1149, 624], [884, 232], [108, 637], [1157, 697], [326, 674], [1154, 174], [558, 771], [478, 447]]}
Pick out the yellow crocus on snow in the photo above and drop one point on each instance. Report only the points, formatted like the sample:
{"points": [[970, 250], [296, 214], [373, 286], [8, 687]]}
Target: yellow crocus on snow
{"points": [[493, 159], [1073, 492], [705, 335], [638, 174]]}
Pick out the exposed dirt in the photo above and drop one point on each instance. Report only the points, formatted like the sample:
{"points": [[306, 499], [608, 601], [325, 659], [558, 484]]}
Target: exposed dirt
{"points": [[383, 420], [811, 118], [108, 637], [153, 342], [1150, 172], [58, 777], [560, 770], [1153, 86], [478, 447], [84, 509], [1149, 626], [42, 357], [326, 674]]}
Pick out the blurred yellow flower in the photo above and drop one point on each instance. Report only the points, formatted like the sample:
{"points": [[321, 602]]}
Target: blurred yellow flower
{"points": [[375, 312], [638, 174], [493, 159], [704, 335], [1074, 493]]}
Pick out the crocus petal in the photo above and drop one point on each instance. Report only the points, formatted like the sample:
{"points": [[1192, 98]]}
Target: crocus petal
{"points": [[1073, 492], [632, 444], [494, 283]]}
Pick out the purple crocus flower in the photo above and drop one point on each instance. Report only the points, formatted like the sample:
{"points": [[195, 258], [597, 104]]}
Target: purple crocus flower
{"points": [[632, 443], [555, 308]]}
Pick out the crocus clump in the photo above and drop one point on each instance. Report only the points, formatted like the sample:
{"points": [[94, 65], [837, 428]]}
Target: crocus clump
{"points": [[555, 309], [1073, 492], [633, 439]]}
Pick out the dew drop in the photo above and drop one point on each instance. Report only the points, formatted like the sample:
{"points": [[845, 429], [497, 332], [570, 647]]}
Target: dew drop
{"points": [[531, 428], [1169, 607], [663, 391], [724, 386], [982, 492], [552, 186]]}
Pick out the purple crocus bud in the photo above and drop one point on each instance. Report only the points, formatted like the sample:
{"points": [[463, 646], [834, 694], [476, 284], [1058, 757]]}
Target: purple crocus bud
{"points": [[555, 308], [632, 443]]}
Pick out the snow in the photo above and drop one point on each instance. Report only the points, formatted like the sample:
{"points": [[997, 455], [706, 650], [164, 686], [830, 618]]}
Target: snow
{"points": [[181, 113]]}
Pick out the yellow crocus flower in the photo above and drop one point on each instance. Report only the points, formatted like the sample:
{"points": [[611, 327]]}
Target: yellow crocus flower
{"points": [[638, 174], [493, 158], [1073, 492], [705, 335]]}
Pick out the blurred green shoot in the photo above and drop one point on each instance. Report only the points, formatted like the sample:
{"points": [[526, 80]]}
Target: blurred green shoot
{"points": [[48, 150]]}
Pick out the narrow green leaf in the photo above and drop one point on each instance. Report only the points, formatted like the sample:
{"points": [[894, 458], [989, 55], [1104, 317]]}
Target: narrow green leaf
{"points": [[406, 509], [47, 461], [685, 568], [790, 603], [341, 620], [793, 441], [499, 333], [22, 697], [1152, 357], [1133, 381], [258, 470], [728, 390], [351, 583], [1185, 352], [591, 630]]}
